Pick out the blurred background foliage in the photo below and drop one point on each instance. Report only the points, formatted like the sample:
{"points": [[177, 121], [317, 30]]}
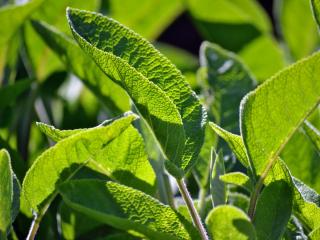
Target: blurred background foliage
{"points": [[38, 85]]}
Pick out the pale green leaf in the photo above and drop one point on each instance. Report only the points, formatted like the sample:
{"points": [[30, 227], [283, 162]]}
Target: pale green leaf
{"points": [[60, 162], [127, 209], [157, 88], [270, 116], [295, 17], [228, 223], [273, 210], [217, 187], [239, 179], [146, 17], [239, 200], [234, 141], [71, 54]]}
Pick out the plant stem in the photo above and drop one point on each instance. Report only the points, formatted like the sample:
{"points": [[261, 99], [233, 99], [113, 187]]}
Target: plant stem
{"points": [[34, 227], [254, 198], [192, 210], [202, 201]]}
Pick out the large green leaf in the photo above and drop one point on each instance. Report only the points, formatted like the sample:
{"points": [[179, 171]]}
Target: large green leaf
{"points": [[230, 80], [228, 223], [157, 88], [11, 18], [273, 210], [272, 113], [295, 17], [126, 208], [146, 17], [315, 234], [60, 163], [9, 194], [71, 54]]}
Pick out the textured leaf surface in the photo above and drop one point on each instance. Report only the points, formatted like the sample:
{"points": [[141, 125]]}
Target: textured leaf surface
{"points": [[217, 187], [71, 54], [6, 193], [229, 223], [157, 88], [146, 17], [60, 162], [273, 210], [295, 17], [126, 208], [237, 178], [269, 116], [9, 94], [230, 80]]}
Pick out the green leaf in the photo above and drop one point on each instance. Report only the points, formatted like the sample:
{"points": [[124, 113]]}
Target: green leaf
{"points": [[201, 170], [43, 61], [241, 21], [313, 133], [307, 212], [9, 93], [71, 54], [273, 210], [127, 209], [59, 163], [157, 88], [217, 187], [234, 141], [228, 223], [239, 179], [238, 200], [315, 234], [73, 224], [270, 116], [230, 80], [273, 59], [146, 17], [300, 148], [290, 13], [9, 194]]}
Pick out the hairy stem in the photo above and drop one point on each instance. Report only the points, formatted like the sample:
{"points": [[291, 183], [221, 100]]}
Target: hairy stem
{"points": [[192, 210]]}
